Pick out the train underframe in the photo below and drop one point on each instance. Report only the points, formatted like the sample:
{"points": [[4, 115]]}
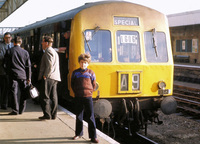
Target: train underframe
{"points": [[132, 113]]}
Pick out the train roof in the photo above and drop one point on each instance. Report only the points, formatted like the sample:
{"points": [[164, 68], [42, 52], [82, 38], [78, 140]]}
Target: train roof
{"points": [[63, 16]]}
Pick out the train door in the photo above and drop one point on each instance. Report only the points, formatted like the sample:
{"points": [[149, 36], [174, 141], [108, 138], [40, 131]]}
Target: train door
{"points": [[62, 44]]}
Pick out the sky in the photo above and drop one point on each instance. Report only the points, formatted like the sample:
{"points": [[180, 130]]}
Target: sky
{"points": [[36, 10]]}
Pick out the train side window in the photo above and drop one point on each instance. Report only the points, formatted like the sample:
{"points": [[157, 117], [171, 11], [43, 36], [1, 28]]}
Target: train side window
{"points": [[98, 44], [155, 46], [128, 46]]}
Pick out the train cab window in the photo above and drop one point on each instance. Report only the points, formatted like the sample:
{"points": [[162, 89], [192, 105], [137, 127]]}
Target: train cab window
{"points": [[98, 44], [155, 46], [128, 46]]}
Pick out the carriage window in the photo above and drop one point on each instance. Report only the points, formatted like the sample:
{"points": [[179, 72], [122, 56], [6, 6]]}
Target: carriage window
{"points": [[98, 44], [128, 46], [155, 46]]}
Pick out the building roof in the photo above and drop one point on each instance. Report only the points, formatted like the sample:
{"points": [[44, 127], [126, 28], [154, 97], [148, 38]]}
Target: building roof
{"points": [[185, 18], [7, 7], [2, 3]]}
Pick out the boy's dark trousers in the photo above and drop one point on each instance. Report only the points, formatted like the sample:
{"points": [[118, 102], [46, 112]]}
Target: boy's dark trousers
{"points": [[85, 104]]}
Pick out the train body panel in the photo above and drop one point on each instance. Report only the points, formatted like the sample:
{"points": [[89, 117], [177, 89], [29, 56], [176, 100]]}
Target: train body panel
{"points": [[109, 84]]}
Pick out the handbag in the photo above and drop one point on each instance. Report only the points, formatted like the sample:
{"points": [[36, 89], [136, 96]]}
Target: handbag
{"points": [[33, 92]]}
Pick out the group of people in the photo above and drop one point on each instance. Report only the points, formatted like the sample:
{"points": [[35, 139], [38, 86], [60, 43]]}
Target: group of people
{"points": [[15, 73]]}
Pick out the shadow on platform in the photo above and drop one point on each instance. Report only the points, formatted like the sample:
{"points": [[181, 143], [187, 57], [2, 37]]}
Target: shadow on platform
{"points": [[55, 140]]}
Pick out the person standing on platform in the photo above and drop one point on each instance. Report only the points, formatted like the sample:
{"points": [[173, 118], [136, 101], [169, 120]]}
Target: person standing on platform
{"points": [[83, 83], [4, 79], [36, 60], [50, 75], [19, 67]]}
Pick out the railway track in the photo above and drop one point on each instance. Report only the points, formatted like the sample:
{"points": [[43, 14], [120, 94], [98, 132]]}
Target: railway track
{"points": [[123, 137], [144, 140], [188, 102]]}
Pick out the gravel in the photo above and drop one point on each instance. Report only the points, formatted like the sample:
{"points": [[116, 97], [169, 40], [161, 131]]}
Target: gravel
{"points": [[174, 130]]}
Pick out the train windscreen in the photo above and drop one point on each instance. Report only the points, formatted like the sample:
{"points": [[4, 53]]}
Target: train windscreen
{"points": [[128, 46], [155, 46], [98, 44]]}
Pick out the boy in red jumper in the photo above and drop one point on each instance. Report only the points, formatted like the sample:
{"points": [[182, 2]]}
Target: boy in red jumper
{"points": [[83, 83]]}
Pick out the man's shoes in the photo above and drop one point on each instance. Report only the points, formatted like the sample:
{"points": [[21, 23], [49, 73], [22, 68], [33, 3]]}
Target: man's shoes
{"points": [[76, 137], [44, 118], [53, 117], [94, 140], [12, 113]]}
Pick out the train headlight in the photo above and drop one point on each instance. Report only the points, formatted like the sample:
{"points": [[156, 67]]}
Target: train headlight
{"points": [[161, 85], [97, 86]]}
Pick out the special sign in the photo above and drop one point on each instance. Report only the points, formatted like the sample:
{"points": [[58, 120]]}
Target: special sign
{"points": [[126, 21]]}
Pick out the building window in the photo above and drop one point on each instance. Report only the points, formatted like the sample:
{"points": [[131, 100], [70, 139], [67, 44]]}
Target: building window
{"points": [[184, 45]]}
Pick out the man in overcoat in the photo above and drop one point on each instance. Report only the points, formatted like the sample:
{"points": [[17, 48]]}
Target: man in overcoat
{"points": [[50, 75]]}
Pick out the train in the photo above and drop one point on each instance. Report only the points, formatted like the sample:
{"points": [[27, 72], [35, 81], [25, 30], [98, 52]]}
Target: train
{"points": [[130, 52]]}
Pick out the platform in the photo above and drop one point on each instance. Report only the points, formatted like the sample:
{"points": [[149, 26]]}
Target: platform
{"points": [[27, 128]]}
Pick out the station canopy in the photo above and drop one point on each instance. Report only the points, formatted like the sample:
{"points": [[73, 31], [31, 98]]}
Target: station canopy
{"points": [[184, 19], [7, 7]]}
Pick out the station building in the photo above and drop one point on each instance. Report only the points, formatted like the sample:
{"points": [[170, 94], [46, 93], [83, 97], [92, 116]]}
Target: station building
{"points": [[185, 36]]}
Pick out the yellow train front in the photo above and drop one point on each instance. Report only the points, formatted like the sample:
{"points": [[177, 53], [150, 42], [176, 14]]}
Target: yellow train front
{"points": [[131, 57]]}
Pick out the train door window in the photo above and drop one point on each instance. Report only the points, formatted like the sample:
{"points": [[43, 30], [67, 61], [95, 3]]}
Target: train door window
{"points": [[58, 40], [32, 44], [155, 46], [52, 35], [128, 46], [98, 44]]}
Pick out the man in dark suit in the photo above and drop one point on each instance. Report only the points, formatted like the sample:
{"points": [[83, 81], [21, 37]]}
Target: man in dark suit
{"points": [[4, 79], [19, 65], [50, 75]]}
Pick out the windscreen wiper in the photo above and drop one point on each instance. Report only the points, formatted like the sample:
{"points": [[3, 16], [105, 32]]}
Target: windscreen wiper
{"points": [[87, 41], [154, 41], [95, 30]]}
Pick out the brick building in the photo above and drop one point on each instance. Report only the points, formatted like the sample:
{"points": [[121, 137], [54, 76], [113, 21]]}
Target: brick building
{"points": [[185, 36]]}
